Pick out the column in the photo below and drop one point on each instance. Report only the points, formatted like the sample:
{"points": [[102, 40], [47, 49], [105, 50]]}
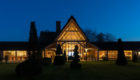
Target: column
{"points": [[98, 55], [16, 56], [1, 56], [44, 53], [107, 54]]}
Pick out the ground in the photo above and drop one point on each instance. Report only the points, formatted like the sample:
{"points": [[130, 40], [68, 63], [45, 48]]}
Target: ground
{"points": [[103, 70]]}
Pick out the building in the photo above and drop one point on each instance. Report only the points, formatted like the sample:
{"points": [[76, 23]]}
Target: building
{"points": [[68, 37]]}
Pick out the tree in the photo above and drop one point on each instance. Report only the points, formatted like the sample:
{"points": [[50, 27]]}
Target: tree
{"points": [[33, 46], [121, 60], [91, 35], [59, 59], [100, 37], [32, 66], [75, 63], [109, 37], [59, 50]]}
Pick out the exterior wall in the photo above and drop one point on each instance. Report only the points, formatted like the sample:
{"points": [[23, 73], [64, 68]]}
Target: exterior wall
{"points": [[92, 54], [112, 54], [128, 54], [14, 55], [49, 54]]}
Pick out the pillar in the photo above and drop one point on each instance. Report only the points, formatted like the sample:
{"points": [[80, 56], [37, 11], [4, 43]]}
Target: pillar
{"points": [[107, 54], [98, 55], [16, 56]]}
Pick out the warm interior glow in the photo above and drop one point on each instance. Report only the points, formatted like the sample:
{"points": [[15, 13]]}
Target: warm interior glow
{"points": [[15, 55], [71, 33], [128, 54]]}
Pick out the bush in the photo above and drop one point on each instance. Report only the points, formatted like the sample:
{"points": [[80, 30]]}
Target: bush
{"points": [[121, 59], [105, 58], [59, 60], [29, 68], [75, 63], [46, 61]]}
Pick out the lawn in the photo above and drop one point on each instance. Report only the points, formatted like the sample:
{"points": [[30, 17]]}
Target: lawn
{"points": [[90, 71]]}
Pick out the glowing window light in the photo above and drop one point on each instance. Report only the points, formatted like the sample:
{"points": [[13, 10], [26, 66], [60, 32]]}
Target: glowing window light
{"points": [[70, 53], [138, 53]]}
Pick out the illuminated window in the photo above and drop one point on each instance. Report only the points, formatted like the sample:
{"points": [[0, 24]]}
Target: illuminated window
{"points": [[21, 53], [112, 55], [70, 53], [102, 54], [128, 54]]}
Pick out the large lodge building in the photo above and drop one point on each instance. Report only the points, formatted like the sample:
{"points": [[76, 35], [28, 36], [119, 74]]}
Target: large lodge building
{"points": [[68, 37]]}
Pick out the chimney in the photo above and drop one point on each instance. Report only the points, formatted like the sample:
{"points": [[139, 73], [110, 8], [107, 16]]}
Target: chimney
{"points": [[58, 27]]}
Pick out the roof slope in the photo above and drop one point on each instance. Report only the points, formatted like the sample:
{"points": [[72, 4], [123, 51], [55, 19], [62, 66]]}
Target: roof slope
{"points": [[13, 45], [128, 45], [71, 21]]}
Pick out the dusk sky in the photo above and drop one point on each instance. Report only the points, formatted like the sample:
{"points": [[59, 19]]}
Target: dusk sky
{"points": [[118, 17]]}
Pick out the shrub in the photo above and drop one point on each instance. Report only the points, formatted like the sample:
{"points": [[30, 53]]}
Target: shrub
{"points": [[75, 63], [121, 59], [105, 58], [29, 68], [46, 61], [59, 60]]}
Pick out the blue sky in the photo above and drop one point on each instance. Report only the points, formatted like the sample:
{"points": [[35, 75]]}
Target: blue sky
{"points": [[118, 17]]}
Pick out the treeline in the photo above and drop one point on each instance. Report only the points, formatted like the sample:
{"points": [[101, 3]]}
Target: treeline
{"points": [[93, 36]]}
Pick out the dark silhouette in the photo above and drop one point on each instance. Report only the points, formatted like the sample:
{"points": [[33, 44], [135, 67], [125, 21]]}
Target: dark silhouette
{"points": [[75, 63], [32, 66], [59, 50], [65, 56], [1, 57], [100, 37], [105, 58], [109, 37], [58, 27], [46, 61], [121, 60], [6, 59], [93, 36], [135, 58], [33, 40], [59, 59]]}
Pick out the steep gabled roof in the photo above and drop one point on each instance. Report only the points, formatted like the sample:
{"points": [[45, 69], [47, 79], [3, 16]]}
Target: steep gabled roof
{"points": [[72, 19]]}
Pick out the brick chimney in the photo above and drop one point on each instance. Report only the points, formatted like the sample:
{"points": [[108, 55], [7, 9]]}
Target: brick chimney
{"points": [[58, 27]]}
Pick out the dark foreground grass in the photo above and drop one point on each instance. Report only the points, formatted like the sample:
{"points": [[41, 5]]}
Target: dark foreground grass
{"points": [[90, 71]]}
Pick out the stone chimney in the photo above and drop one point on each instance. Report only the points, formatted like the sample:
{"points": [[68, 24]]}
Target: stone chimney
{"points": [[58, 27]]}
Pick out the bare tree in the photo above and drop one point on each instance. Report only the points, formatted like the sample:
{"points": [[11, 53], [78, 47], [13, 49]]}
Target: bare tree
{"points": [[109, 37], [100, 37], [91, 35]]}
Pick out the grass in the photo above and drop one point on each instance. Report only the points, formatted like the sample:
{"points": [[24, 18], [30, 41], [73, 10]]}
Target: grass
{"points": [[90, 71]]}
